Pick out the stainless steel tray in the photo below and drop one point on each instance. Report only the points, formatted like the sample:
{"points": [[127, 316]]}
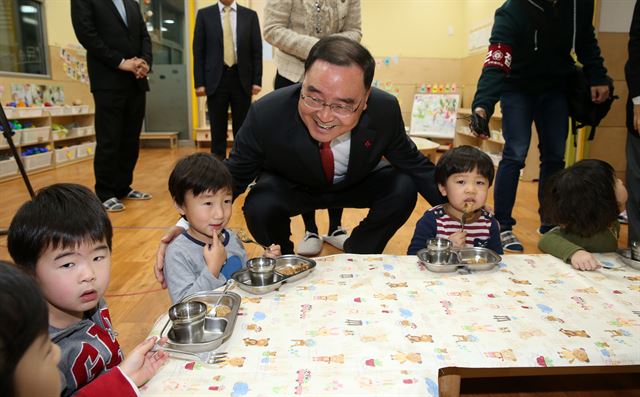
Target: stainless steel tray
{"points": [[216, 329], [282, 263], [625, 255], [465, 258]]}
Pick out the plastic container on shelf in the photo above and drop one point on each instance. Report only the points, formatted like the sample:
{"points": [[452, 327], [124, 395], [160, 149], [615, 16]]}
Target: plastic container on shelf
{"points": [[10, 112], [86, 149], [66, 154], [3, 141], [55, 110], [36, 161], [28, 112], [59, 134], [8, 167], [34, 135]]}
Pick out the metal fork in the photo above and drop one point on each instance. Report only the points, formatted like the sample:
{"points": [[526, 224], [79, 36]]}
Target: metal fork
{"points": [[204, 357]]}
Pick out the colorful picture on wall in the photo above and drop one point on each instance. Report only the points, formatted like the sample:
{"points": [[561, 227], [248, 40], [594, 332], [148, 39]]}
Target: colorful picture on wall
{"points": [[37, 94], [434, 115], [74, 64]]}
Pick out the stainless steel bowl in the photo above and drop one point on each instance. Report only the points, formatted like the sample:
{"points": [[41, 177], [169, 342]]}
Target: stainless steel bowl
{"points": [[635, 250], [188, 321], [478, 258], [261, 270], [425, 259]]}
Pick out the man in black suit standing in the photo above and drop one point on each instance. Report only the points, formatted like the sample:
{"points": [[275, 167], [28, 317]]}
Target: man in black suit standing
{"points": [[118, 59], [227, 65], [632, 73]]}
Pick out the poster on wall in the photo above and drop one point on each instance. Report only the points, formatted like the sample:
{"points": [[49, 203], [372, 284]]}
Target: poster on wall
{"points": [[37, 94], [74, 65], [434, 115]]}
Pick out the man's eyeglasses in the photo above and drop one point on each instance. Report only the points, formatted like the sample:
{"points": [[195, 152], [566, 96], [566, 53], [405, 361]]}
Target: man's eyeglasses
{"points": [[336, 108]]}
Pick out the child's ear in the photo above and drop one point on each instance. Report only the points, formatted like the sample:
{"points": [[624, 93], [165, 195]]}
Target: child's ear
{"points": [[179, 208], [442, 189]]}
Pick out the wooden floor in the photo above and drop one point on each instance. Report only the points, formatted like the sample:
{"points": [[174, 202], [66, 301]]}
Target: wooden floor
{"points": [[134, 297]]}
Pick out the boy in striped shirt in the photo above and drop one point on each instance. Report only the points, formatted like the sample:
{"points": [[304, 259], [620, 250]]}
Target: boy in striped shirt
{"points": [[464, 175]]}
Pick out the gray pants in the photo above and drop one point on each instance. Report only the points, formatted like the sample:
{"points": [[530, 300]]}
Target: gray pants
{"points": [[633, 186]]}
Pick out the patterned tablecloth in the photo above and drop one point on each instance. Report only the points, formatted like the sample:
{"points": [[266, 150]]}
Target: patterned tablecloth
{"points": [[384, 325]]}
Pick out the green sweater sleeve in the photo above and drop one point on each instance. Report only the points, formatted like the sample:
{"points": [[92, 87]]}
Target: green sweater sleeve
{"points": [[557, 244], [563, 245]]}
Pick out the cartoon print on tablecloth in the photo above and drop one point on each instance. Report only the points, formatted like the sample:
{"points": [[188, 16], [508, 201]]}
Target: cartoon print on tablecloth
{"points": [[407, 324], [618, 332], [253, 327], [232, 362], [634, 288], [543, 361], [622, 322], [515, 293], [398, 285], [632, 278], [530, 333], [402, 358], [333, 386], [544, 308], [323, 331], [503, 355], [303, 342], [373, 338], [258, 316], [554, 318], [461, 294], [581, 302], [432, 387], [419, 338], [372, 362], [577, 333], [465, 338], [337, 359], [442, 354], [256, 342], [326, 298], [302, 378], [520, 282], [251, 299], [381, 296], [576, 354], [478, 328], [447, 307], [240, 389], [268, 357]]}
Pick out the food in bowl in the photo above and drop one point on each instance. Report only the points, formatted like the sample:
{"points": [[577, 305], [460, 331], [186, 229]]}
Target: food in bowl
{"points": [[222, 310], [475, 261], [296, 268]]}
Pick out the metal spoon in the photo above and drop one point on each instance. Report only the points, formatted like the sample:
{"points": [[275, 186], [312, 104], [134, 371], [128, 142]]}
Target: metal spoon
{"points": [[242, 235], [229, 284]]}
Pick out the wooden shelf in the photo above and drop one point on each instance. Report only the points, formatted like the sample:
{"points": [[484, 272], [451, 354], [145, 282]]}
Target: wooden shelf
{"points": [[46, 120]]}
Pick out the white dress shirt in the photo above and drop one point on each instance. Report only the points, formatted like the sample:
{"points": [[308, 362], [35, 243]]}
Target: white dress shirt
{"points": [[341, 148]]}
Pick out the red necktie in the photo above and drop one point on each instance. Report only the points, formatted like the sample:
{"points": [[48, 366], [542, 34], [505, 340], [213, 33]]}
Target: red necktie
{"points": [[326, 155]]}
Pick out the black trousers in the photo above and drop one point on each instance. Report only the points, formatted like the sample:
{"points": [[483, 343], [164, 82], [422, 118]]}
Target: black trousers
{"points": [[229, 92], [119, 115], [389, 194]]}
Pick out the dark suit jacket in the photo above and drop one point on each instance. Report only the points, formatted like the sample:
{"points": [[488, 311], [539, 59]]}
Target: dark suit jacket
{"points": [[102, 32], [274, 139], [208, 49], [632, 67]]}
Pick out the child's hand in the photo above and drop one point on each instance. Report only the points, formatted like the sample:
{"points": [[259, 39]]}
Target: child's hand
{"points": [[458, 239], [273, 251], [215, 255], [142, 363], [583, 260]]}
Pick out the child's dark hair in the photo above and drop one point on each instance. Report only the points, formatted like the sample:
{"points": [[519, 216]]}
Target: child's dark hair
{"points": [[463, 159], [24, 315], [198, 173], [59, 216], [581, 198]]}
